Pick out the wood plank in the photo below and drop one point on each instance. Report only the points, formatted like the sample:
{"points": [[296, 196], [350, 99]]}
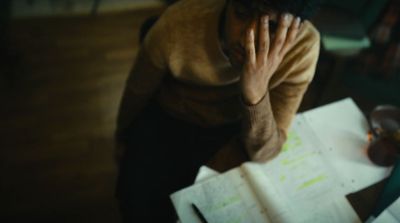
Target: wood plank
{"points": [[57, 125]]}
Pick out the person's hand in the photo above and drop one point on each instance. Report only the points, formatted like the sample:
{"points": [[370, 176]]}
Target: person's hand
{"points": [[261, 63]]}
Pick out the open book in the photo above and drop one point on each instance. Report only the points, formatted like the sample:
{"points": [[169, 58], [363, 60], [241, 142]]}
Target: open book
{"points": [[297, 186], [322, 161]]}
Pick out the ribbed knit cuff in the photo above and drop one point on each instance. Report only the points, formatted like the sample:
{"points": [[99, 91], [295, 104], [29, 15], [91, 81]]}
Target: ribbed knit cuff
{"points": [[255, 113]]}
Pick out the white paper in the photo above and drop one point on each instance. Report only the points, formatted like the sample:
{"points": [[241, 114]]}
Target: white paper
{"points": [[390, 214], [343, 129], [224, 198], [301, 170], [302, 184], [339, 210], [204, 174], [299, 185]]}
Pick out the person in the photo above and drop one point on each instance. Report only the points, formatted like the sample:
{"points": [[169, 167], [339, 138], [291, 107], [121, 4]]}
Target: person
{"points": [[213, 80]]}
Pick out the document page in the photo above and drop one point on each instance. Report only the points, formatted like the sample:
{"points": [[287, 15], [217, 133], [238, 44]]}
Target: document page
{"points": [[390, 214], [342, 128], [226, 198], [301, 171], [299, 182]]}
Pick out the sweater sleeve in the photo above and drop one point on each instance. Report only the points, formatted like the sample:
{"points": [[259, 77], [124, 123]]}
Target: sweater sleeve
{"points": [[265, 124], [145, 77]]}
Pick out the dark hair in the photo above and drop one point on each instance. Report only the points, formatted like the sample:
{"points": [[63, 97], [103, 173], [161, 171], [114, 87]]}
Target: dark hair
{"points": [[302, 8]]}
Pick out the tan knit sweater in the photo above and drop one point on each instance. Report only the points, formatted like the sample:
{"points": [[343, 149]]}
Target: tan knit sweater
{"points": [[181, 63]]}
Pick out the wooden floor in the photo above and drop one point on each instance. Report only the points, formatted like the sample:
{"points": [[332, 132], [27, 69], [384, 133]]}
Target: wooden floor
{"points": [[60, 89]]}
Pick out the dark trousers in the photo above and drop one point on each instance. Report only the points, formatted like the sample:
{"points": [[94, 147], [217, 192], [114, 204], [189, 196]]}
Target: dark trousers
{"points": [[163, 155]]}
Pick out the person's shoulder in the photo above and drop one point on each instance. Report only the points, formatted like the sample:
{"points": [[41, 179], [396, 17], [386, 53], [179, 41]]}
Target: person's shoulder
{"points": [[187, 10], [186, 21], [308, 34], [298, 63], [307, 41]]}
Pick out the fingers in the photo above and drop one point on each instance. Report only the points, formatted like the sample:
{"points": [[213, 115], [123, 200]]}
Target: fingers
{"points": [[286, 33], [263, 40], [250, 46], [280, 38], [291, 35]]}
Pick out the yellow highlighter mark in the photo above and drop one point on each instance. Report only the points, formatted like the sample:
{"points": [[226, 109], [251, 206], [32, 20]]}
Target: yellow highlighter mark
{"points": [[311, 182], [296, 160], [285, 147], [293, 141], [225, 202]]}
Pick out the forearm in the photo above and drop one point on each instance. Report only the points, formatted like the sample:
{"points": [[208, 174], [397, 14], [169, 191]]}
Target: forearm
{"points": [[261, 137]]}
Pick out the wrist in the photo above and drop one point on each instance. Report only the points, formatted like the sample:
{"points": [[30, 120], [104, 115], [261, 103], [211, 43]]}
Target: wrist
{"points": [[251, 100], [254, 91]]}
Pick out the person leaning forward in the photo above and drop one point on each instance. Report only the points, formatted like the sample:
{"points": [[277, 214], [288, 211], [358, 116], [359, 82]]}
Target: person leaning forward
{"points": [[215, 82]]}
